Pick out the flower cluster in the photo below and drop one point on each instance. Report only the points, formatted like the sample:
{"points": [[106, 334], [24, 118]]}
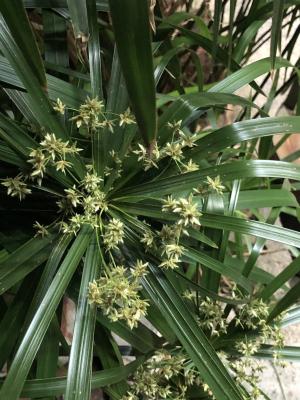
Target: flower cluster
{"points": [[41, 230], [211, 317], [215, 185], [59, 106], [185, 208], [91, 116], [211, 186], [86, 197], [171, 250], [114, 234], [166, 375], [52, 151], [16, 187], [247, 370], [172, 149], [149, 160], [253, 315], [117, 294]]}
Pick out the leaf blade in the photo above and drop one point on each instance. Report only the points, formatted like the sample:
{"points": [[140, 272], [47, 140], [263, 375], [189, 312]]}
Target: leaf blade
{"points": [[16, 376], [132, 33]]}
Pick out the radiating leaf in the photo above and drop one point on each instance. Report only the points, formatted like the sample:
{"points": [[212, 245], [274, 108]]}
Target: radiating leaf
{"points": [[36, 388], [278, 7], [25, 355], [190, 335], [132, 33], [227, 172], [20, 29], [81, 357]]}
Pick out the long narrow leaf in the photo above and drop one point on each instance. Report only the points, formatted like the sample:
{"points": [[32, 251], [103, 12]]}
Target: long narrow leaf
{"points": [[37, 388], [20, 28], [190, 335], [132, 32], [19, 369], [80, 363]]}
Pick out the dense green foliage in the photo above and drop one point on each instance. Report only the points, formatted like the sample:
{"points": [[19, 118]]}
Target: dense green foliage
{"points": [[123, 190]]}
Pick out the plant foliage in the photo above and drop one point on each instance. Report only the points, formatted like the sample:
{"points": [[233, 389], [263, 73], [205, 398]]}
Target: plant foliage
{"points": [[123, 190]]}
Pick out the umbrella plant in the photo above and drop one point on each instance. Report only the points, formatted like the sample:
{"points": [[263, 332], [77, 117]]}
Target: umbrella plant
{"points": [[123, 191]]}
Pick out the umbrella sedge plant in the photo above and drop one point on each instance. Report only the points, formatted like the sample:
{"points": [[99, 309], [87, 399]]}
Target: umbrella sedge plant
{"points": [[122, 191]]}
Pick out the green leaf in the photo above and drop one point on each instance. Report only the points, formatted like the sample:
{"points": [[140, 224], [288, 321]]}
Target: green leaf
{"points": [[217, 221], [190, 335], [26, 353], [186, 106], [47, 357], [216, 25], [12, 321], [16, 137], [290, 298], [70, 95], [40, 103], [20, 29], [247, 74], [263, 198], [246, 40], [110, 356], [23, 260], [287, 353], [81, 357], [278, 7], [259, 244], [242, 131], [10, 157], [102, 5], [227, 173], [291, 317], [141, 338], [94, 50], [54, 259], [255, 228], [132, 33], [217, 266], [289, 272], [36, 388], [55, 35]]}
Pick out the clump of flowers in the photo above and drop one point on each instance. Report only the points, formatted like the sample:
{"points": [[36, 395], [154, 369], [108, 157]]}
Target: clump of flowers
{"points": [[149, 160], [191, 166], [91, 116], [41, 230], [166, 375], [16, 187], [250, 316], [126, 118], [211, 186], [59, 106], [86, 197], [116, 293], [52, 151], [172, 149], [215, 185], [171, 250], [211, 317], [114, 234], [253, 315], [185, 208]]}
